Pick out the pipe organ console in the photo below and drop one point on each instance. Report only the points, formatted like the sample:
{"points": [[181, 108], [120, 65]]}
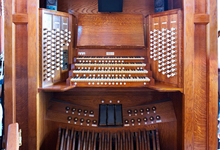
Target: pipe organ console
{"points": [[108, 67]]}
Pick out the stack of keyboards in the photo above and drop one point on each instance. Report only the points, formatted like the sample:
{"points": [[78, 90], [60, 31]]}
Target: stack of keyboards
{"points": [[110, 72]]}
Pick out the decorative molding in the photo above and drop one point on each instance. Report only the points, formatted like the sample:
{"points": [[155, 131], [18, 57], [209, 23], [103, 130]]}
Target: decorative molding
{"points": [[201, 18], [20, 18]]}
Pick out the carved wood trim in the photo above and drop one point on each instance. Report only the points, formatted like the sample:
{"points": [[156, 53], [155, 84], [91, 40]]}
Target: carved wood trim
{"points": [[201, 18], [20, 18]]}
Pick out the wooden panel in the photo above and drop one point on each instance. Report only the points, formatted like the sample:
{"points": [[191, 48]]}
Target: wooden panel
{"points": [[20, 75], [21, 71], [200, 6], [91, 97], [144, 7], [33, 81], [42, 132], [212, 75], [21, 81], [188, 76], [198, 102], [200, 118], [177, 99], [110, 30], [9, 88], [21, 6]]}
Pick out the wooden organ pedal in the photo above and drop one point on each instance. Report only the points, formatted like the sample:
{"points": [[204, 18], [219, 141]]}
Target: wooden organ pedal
{"points": [[126, 140], [110, 125]]}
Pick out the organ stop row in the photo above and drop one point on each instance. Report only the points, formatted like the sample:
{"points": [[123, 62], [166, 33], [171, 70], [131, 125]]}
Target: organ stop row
{"points": [[106, 66]]}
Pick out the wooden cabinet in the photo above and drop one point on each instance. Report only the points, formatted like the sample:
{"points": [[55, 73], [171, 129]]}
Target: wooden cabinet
{"points": [[196, 111]]}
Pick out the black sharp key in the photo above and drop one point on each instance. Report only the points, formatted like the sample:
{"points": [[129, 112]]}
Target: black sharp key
{"points": [[111, 115], [102, 114], [118, 115]]}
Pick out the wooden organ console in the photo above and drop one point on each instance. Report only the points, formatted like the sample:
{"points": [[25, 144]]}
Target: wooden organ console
{"points": [[177, 50], [108, 67]]}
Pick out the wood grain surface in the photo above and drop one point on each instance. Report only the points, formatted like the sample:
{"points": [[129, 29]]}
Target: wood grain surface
{"points": [[197, 114], [91, 7], [110, 30]]}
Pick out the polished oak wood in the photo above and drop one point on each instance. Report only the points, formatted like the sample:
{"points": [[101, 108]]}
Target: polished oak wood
{"points": [[13, 137], [200, 62], [110, 30], [21, 46], [196, 111]]}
